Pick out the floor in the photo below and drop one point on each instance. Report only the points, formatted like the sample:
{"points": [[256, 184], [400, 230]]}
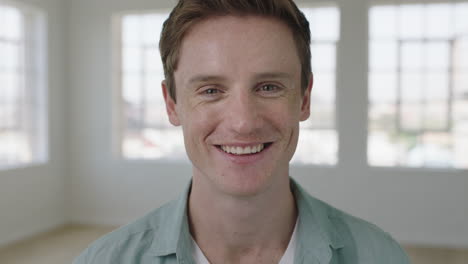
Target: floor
{"points": [[55, 247], [63, 244]]}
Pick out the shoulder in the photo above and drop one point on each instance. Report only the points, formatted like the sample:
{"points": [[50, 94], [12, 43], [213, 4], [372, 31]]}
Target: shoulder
{"points": [[368, 241], [128, 244], [354, 238], [365, 241]]}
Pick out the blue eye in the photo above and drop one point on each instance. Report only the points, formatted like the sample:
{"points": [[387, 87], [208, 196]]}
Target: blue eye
{"points": [[210, 91], [268, 87], [270, 90]]}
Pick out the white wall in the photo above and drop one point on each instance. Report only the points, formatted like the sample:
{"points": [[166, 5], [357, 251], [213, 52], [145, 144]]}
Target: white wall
{"points": [[429, 207], [32, 198]]}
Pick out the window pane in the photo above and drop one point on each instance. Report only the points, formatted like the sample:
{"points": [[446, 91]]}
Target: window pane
{"points": [[437, 56], [411, 87], [155, 115], [132, 90], [461, 24], [461, 54], [460, 145], [12, 29], [11, 56], [132, 60], [435, 87], [411, 117], [461, 86], [412, 56], [152, 144], [323, 90], [435, 116], [435, 149], [317, 147], [323, 57], [153, 88], [411, 21], [152, 23], [382, 117], [383, 55], [382, 148], [383, 87], [323, 22], [13, 90], [321, 116], [383, 22], [460, 109], [439, 20], [152, 62], [3, 55], [131, 30]]}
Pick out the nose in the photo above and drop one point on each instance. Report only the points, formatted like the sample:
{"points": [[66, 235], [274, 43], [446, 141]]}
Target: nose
{"points": [[244, 110]]}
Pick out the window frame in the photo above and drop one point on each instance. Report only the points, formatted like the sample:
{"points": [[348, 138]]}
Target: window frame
{"points": [[34, 76], [118, 105], [307, 125], [450, 71]]}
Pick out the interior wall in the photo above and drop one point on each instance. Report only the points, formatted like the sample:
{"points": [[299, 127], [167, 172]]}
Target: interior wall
{"points": [[32, 198], [415, 206]]}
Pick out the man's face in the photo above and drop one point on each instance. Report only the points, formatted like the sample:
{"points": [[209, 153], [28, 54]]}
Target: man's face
{"points": [[239, 102]]}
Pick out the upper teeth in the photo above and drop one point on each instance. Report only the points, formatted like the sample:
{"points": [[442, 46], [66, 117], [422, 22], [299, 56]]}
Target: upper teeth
{"points": [[243, 150]]}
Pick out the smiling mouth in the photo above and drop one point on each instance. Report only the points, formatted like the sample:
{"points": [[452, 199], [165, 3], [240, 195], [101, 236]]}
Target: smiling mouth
{"points": [[244, 150]]}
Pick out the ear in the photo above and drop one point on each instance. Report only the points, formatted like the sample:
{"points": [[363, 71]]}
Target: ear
{"points": [[305, 104], [170, 105]]}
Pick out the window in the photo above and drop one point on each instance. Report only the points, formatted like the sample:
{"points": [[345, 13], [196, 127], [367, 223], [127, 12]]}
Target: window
{"points": [[318, 139], [22, 87], [418, 85], [146, 131]]}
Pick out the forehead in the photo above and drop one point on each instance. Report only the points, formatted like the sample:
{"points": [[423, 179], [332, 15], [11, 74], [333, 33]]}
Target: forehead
{"points": [[239, 23], [233, 45]]}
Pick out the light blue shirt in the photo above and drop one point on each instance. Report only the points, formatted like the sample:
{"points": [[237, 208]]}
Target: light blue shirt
{"points": [[326, 235]]}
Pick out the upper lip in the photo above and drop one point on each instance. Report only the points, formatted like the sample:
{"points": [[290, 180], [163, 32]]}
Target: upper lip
{"points": [[241, 144]]}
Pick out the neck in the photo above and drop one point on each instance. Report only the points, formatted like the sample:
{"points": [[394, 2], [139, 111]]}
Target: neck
{"points": [[230, 228]]}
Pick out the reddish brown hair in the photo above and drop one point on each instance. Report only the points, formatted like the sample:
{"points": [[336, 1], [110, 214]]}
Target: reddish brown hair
{"points": [[189, 12]]}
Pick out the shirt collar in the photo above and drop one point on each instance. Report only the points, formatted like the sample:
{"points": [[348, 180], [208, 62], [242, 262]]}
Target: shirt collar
{"points": [[172, 234], [316, 233]]}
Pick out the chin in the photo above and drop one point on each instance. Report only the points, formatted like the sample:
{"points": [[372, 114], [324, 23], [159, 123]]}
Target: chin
{"points": [[245, 184]]}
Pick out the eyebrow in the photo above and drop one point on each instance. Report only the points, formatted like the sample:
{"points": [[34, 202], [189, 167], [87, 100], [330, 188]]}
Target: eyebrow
{"points": [[273, 75], [217, 78], [206, 78]]}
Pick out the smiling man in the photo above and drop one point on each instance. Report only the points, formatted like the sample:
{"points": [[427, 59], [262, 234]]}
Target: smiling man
{"points": [[238, 81]]}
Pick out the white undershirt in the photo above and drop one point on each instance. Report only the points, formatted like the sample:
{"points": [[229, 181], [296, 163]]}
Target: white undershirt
{"points": [[287, 258]]}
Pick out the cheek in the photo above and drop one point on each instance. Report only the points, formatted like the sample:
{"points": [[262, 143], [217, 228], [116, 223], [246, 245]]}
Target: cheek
{"points": [[198, 122], [285, 115]]}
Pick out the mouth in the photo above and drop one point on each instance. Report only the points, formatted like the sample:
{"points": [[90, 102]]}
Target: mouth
{"points": [[244, 150]]}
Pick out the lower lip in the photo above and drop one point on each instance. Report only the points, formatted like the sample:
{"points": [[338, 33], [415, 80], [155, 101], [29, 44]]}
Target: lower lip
{"points": [[244, 159]]}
